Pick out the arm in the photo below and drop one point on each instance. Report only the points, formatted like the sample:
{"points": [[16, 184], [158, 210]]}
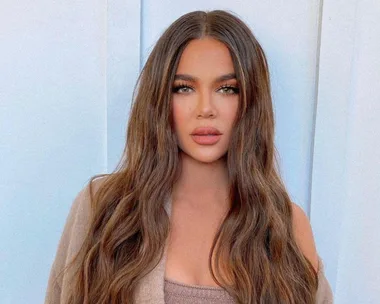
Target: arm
{"points": [[70, 242], [304, 235], [305, 240]]}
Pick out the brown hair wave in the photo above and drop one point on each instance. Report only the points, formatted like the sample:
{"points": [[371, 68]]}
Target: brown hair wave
{"points": [[129, 225]]}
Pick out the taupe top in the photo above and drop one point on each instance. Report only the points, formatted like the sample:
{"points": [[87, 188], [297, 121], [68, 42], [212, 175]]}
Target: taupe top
{"points": [[176, 292], [150, 289]]}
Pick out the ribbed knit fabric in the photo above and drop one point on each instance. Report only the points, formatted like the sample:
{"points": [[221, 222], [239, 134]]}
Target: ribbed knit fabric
{"points": [[176, 292]]}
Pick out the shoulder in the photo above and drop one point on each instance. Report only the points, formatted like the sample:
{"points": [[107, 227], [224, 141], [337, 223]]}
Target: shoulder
{"points": [[304, 235], [77, 222], [81, 206]]}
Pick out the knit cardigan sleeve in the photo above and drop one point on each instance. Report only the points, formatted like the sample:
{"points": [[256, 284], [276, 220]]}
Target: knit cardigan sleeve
{"points": [[74, 232]]}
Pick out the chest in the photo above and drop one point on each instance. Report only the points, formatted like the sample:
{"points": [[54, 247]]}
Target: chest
{"points": [[192, 231]]}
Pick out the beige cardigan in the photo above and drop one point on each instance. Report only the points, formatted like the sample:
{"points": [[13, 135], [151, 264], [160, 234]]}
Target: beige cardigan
{"points": [[151, 287]]}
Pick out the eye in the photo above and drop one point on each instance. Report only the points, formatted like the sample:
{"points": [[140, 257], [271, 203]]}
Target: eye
{"points": [[229, 90], [182, 88]]}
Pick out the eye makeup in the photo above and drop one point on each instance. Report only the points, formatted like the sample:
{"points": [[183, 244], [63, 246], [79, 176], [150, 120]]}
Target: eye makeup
{"points": [[228, 89]]}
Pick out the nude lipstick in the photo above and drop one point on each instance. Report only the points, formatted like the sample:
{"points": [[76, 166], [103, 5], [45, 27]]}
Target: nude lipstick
{"points": [[206, 135]]}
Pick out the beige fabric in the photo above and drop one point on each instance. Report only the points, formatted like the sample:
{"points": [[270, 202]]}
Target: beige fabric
{"points": [[151, 288]]}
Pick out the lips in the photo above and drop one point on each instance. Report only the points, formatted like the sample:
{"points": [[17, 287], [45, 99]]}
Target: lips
{"points": [[206, 131]]}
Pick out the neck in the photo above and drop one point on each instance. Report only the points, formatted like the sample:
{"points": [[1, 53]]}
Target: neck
{"points": [[201, 182]]}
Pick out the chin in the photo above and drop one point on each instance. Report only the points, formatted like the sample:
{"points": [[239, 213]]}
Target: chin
{"points": [[204, 156]]}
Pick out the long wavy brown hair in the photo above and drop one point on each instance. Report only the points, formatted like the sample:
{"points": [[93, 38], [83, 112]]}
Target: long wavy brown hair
{"points": [[260, 259]]}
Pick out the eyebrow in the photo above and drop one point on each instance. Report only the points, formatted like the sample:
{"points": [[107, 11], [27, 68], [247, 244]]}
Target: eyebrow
{"points": [[187, 77]]}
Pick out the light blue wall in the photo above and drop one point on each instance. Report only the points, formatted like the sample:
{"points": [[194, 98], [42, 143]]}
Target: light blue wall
{"points": [[123, 67], [67, 72], [52, 130], [346, 168]]}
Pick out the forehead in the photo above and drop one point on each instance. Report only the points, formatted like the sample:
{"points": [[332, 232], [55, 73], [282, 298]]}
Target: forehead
{"points": [[205, 57]]}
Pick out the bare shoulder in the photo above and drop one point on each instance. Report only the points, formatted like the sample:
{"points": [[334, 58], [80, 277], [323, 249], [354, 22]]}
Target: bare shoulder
{"points": [[304, 235]]}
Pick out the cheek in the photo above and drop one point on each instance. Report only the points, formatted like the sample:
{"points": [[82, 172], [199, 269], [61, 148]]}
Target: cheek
{"points": [[230, 112], [180, 115]]}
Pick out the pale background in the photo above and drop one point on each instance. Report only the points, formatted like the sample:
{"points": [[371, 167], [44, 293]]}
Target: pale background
{"points": [[67, 71]]}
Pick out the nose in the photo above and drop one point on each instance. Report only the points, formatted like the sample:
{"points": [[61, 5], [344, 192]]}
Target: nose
{"points": [[205, 106]]}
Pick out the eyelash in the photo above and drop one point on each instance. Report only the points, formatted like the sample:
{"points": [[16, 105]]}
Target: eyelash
{"points": [[225, 86]]}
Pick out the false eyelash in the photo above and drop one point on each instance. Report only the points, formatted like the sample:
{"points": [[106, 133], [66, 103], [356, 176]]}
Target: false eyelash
{"points": [[181, 86], [228, 86]]}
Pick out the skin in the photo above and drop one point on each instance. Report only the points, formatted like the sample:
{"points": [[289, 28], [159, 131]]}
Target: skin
{"points": [[199, 198], [204, 102]]}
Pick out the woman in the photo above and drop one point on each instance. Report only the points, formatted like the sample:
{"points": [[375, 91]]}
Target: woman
{"points": [[196, 211]]}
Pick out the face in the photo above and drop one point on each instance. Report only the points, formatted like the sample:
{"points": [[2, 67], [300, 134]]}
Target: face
{"points": [[205, 94]]}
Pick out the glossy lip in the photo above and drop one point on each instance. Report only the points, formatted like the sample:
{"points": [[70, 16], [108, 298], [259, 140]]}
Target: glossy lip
{"points": [[206, 131], [206, 139]]}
